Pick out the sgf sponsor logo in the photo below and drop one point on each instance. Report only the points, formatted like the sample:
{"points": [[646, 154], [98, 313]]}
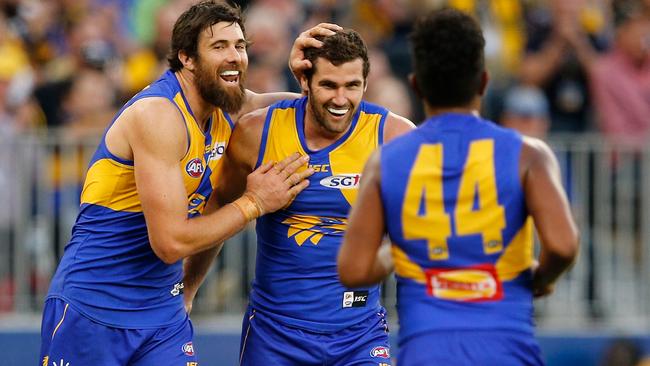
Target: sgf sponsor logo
{"points": [[380, 351], [341, 181]]}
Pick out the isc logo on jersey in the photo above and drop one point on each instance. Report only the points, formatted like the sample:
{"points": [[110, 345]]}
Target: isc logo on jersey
{"points": [[341, 181], [194, 168]]}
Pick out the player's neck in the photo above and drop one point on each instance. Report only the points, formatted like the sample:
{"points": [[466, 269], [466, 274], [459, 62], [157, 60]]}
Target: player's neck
{"points": [[471, 108], [201, 109], [316, 136]]}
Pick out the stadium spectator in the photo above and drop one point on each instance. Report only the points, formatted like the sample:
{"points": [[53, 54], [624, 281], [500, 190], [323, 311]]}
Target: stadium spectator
{"points": [[297, 305], [620, 81], [121, 280], [525, 109], [561, 42], [458, 198]]}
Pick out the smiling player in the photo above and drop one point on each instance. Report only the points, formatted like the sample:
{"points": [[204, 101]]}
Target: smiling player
{"points": [[117, 295], [299, 312]]}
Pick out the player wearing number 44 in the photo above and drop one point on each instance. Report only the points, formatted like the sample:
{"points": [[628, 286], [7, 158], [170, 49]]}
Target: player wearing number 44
{"points": [[299, 312], [458, 198]]}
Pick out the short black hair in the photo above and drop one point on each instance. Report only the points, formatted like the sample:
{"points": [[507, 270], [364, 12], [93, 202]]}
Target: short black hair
{"points": [[185, 36], [344, 46], [448, 59]]}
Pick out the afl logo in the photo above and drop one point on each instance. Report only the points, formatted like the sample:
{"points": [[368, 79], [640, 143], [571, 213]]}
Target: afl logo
{"points": [[381, 352], [194, 168], [188, 349], [341, 181]]}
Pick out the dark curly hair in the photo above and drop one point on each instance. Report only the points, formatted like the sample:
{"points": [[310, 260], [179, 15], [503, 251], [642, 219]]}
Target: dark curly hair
{"points": [[185, 36], [344, 46], [448, 59]]}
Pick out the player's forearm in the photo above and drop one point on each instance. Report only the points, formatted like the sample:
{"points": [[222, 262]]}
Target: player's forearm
{"points": [[552, 265], [198, 234], [354, 271], [195, 268]]}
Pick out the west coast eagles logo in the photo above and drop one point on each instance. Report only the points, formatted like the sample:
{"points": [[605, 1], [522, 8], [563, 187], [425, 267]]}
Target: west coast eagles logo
{"points": [[303, 227]]}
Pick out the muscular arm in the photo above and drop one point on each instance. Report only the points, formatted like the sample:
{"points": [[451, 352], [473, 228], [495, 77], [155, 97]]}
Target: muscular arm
{"points": [[362, 260], [237, 163], [195, 267], [256, 101], [241, 156], [548, 205], [396, 126], [157, 149]]}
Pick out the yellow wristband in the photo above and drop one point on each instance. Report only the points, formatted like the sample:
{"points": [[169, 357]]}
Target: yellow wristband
{"points": [[249, 206]]}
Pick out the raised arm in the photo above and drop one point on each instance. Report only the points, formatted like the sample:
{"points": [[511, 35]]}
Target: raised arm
{"points": [[362, 260], [549, 208], [153, 131], [240, 157]]}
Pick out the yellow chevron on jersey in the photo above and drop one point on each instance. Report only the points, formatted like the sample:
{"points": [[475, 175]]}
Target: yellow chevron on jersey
{"points": [[517, 258], [296, 278], [348, 158], [110, 181]]}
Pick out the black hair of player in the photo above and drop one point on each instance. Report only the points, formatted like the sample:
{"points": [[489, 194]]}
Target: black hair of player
{"points": [[448, 58]]}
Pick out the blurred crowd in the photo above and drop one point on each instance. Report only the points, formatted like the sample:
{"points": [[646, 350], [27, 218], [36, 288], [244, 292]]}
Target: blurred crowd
{"points": [[556, 66]]}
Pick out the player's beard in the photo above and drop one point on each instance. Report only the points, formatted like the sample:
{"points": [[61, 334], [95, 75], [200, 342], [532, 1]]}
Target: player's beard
{"points": [[321, 116], [227, 98]]}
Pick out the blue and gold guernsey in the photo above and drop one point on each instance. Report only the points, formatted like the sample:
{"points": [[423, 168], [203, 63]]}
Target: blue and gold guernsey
{"points": [[109, 272], [296, 279], [462, 237]]}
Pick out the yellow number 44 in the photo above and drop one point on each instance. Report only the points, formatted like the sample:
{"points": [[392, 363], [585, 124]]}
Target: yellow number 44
{"points": [[423, 212]]}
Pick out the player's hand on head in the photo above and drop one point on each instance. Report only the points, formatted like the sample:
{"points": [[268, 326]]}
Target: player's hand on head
{"points": [[297, 62], [275, 185]]}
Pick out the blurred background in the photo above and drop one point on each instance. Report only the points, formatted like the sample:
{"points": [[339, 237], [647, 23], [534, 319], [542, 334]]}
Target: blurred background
{"points": [[573, 72]]}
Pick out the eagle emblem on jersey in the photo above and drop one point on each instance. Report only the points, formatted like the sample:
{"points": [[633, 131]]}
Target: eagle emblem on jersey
{"points": [[303, 227]]}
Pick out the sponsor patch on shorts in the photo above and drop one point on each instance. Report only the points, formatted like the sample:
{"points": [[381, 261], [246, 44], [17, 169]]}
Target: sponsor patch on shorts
{"points": [[188, 349], [380, 351]]}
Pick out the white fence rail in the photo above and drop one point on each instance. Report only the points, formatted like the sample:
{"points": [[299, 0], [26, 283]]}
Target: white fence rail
{"points": [[608, 185]]}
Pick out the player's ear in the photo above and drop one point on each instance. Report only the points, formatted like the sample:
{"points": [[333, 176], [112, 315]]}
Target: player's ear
{"points": [[186, 60], [414, 85], [485, 77], [304, 84]]}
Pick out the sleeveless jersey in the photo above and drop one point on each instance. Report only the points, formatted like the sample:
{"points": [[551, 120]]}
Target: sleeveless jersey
{"points": [[462, 237], [108, 271], [296, 279]]}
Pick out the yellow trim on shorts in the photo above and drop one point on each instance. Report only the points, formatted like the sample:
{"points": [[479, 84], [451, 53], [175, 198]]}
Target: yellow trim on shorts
{"points": [[65, 310], [248, 329]]}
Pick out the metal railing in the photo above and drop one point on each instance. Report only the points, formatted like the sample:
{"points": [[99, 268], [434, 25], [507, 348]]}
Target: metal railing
{"points": [[608, 185]]}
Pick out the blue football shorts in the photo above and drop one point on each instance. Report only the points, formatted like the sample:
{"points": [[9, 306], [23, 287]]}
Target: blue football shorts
{"points": [[69, 338], [266, 341], [470, 348]]}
